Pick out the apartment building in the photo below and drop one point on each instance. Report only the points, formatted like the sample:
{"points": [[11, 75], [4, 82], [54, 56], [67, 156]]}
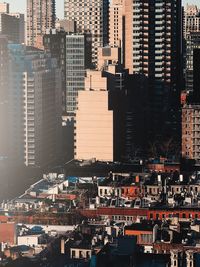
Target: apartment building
{"points": [[91, 17], [40, 16]]}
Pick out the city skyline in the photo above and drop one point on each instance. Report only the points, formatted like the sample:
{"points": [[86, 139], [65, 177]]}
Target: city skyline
{"points": [[21, 7], [100, 133]]}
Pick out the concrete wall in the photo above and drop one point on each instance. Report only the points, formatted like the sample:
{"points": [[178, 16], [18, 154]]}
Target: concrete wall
{"points": [[94, 127]]}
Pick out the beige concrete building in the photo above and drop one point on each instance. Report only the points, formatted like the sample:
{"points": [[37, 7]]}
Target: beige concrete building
{"points": [[191, 132], [116, 23], [94, 120], [107, 56], [40, 16], [68, 26], [4, 8]]}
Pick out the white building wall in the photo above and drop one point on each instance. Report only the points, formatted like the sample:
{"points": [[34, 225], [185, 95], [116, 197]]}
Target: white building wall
{"points": [[28, 240]]}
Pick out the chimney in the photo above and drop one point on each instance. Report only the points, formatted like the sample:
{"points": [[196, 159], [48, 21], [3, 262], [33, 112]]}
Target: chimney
{"points": [[159, 178], [62, 247], [137, 179]]}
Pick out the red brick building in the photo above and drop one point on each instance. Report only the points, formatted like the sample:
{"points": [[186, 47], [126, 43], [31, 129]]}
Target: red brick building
{"points": [[8, 233]]}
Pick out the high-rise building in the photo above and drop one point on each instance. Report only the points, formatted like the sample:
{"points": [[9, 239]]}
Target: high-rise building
{"points": [[12, 25], [196, 77], [40, 16], [192, 42], [153, 47], [91, 16], [21, 23], [116, 23], [4, 7], [77, 60], [35, 106], [73, 52], [94, 121], [191, 116], [54, 42], [4, 95], [191, 19], [191, 132], [110, 89]]}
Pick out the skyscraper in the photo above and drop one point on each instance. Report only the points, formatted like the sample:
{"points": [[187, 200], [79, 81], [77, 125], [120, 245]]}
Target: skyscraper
{"points": [[35, 109], [4, 94], [192, 42], [73, 52], [153, 47], [40, 16], [116, 23], [91, 16], [76, 64], [191, 116]]}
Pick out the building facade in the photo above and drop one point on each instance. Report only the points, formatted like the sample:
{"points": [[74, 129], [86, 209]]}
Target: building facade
{"points": [[94, 120], [91, 17], [40, 16], [54, 42], [4, 96], [36, 79], [153, 47], [116, 23], [12, 25], [76, 64], [191, 132], [192, 42], [191, 19], [73, 52], [196, 77]]}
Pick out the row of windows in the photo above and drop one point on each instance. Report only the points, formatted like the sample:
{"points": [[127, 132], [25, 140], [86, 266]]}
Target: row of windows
{"points": [[171, 215]]}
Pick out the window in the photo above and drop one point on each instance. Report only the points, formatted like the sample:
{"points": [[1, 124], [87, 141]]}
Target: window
{"points": [[80, 254], [87, 254], [73, 254]]}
